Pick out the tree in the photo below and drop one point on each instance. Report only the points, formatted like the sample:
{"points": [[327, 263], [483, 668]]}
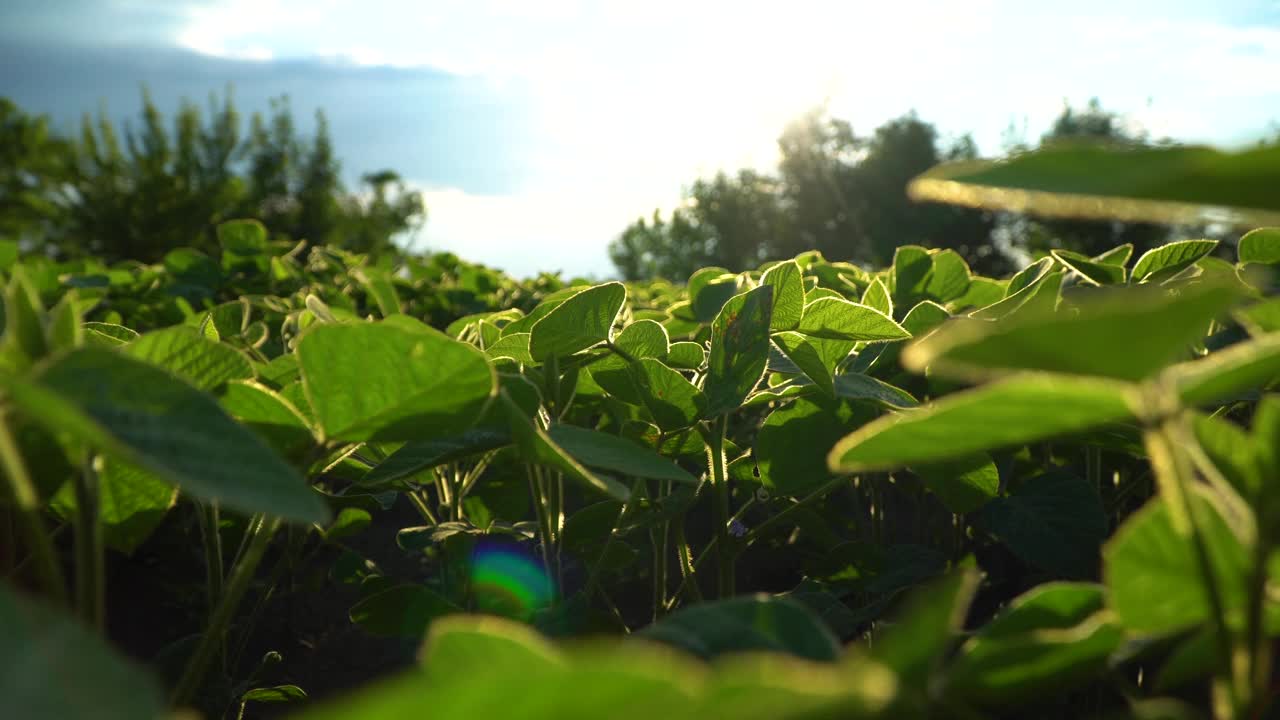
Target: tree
{"points": [[140, 193], [836, 192]]}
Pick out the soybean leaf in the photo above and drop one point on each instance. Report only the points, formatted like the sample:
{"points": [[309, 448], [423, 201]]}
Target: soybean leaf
{"points": [[674, 402], [855, 386], [1118, 255], [108, 334], [644, 339], [1168, 185], [1227, 374], [583, 320], [1003, 414], [185, 352], [1232, 452], [1170, 259], [747, 623], [131, 504], [1049, 639], [1152, 578], [1055, 522], [877, 297], [739, 349], [401, 611], [535, 446], [268, 414], [924, 627], [805, 354], [837, 319], [1093, 272], [1260, 246], [964, 484], [790, 445], [912, 266], [377, 284], [148, 418], [377, 381], [788, 294], [950, 277], [1101, 337], [610, 452], [416, 456], [52, 668], [686, 355]]}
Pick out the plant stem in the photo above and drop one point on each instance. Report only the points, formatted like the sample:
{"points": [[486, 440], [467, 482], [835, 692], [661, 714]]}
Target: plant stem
{"points": [[687, 572], [720, 484], [1175, 477], [758, 531], [423, 508], [27, 505], [90, 551], [261, 530], [215, 568], [544, 520]]}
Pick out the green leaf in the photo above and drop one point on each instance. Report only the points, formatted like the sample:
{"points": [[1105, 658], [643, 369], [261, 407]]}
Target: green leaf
{"points": [[674, 402], [52, 668], [242, 237], [877, 297], [912, 266], [739, 349], [788, 294], [759, 623], [686, 355], [610, 452], [1232, 452], [1168, 260], [791, 442], [924, 627], [514, 346], [855, 386], [1260, 246], [1003, 414], [578, 323], [1117, 256], [1093, 272], [1168, 185], [644, 339], [269, 415], [964, 484], [150, 419], [24, 317], [416, 456], [837, 319], [1044, 643], [1054, 521], [131, 503], [1229, 373], [804, 353], [376, 381], [108, 334], [401, 611], [187, 353], [1100, 337], [536, 446], [276, 694], [982, 292], [1152, 577], [378, 286], [950, 277]]}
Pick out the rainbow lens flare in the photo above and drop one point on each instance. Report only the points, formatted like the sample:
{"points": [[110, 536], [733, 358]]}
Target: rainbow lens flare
{"points": [[507, 580]]}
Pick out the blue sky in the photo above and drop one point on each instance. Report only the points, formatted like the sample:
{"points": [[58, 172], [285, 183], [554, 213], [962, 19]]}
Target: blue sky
{"points": [[538, 129]]}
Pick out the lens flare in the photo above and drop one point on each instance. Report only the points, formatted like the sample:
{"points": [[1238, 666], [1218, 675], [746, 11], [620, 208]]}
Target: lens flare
{"points": [[507, 580]]}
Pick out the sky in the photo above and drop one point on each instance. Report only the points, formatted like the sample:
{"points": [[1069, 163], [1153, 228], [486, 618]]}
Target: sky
{"points": [[538, 129]]}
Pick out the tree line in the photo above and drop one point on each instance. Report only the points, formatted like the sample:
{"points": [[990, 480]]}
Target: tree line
{"points": [[138, 192], [844, 194]]}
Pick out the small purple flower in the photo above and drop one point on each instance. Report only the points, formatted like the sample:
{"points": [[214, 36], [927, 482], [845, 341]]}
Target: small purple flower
{"points": [[737, 529]]}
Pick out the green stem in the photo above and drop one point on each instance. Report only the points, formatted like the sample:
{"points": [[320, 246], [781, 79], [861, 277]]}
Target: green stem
{"points": [[544, 521], [1175, 476], [27, 505], [90, 551], [261, 530], [214, 563], [687, 571], [720, 484], [423, 508], [759, 531]]}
